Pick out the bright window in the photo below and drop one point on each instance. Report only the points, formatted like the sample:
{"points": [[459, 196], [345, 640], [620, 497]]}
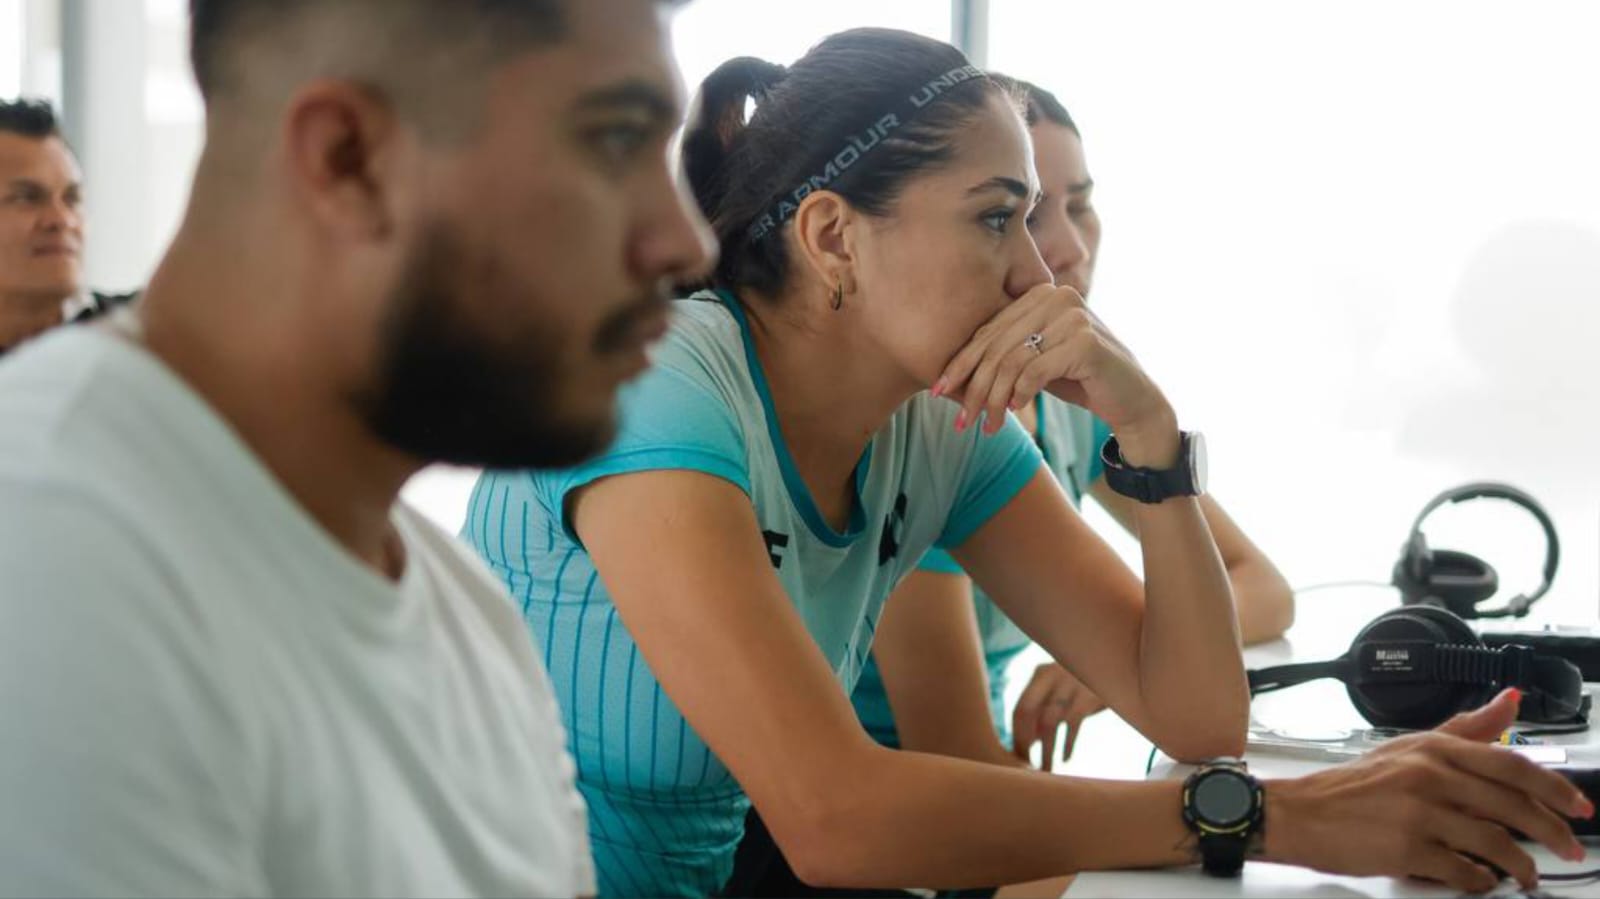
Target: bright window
{"points": [[1358, 242], [708, 32]]}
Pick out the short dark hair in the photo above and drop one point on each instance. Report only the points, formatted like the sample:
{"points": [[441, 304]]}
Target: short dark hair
{"points": [[29, 118], [804, 116], [218, 26], [1038, 104]]}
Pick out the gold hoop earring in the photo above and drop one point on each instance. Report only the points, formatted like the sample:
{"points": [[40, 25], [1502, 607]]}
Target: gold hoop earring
{"points": [[838, 296]]}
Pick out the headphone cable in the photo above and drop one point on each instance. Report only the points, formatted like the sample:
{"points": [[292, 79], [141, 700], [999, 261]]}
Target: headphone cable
{"points": [[1329, 585]]}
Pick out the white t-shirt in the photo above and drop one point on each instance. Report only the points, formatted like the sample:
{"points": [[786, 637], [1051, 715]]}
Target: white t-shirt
{"points": [[202, 693]]}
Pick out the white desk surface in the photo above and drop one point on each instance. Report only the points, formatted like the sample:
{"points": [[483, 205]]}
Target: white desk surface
{"points": [[1320, 705]]}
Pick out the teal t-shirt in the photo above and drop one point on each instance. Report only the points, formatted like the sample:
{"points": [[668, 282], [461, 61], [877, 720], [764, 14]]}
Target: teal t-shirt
{"points": [[665, 816], [1070, 438]]}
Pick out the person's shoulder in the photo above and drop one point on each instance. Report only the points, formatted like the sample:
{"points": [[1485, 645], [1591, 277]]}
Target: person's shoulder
{"points": [[98, 304], [699, 368], [459, 577], [449, 556], [703, 342], [89, 408], [75, 553], [50, 386], [704, 315]]}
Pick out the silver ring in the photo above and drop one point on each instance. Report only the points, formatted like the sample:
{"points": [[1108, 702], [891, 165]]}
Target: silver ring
{"points": [[1035, 342]]}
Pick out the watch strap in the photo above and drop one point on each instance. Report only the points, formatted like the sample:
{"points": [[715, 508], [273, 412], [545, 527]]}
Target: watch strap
{"points": [[1149, 485]]}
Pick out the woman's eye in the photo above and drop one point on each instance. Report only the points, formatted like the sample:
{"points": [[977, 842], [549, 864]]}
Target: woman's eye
{"points": [[998, 220]]}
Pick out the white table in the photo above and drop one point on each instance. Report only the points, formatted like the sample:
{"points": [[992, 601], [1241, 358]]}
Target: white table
{"points": [[1321, 705]]}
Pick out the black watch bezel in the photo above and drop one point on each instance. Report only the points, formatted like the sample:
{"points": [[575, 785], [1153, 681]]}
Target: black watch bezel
{"points": [[1149, 485], [1224, 843]]}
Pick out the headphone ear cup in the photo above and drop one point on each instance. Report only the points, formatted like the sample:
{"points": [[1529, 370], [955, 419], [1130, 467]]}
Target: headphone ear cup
{"points": [[1462, 575], [1411, 570], [1460, 581], [1424, 705]]}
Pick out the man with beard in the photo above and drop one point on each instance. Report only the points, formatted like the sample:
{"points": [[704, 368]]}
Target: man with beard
{"points": [[234, 663]]}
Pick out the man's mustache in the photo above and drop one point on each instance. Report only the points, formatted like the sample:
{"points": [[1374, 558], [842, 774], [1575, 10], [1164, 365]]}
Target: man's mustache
{"points": [[618, 333]]}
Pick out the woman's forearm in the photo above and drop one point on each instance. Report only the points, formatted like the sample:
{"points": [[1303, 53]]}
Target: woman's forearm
{"points": [[907, 817], [1191, 671], [1262, 596]]}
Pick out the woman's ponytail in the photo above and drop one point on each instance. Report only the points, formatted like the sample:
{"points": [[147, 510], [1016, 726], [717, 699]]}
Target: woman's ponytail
{"points": [[716, 124]]}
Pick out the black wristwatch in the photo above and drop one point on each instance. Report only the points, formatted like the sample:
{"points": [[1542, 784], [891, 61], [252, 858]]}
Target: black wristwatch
{"points": [[1223, 805], [1187, 477]]}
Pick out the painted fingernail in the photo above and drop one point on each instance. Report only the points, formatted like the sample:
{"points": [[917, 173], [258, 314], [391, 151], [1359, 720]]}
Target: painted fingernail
{"points": [[1516, 695], [941, 386], [961, 421]]}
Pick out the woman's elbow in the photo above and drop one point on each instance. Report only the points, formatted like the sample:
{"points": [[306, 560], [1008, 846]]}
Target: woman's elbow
{"points": [[1221, 733], [822, 842], [1199, 747]]}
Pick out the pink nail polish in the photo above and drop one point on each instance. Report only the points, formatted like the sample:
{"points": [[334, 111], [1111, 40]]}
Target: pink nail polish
{"points": [[940, 387], [961, 421]]}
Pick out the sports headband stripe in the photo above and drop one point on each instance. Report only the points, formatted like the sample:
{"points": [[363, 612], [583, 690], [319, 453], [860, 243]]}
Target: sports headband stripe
{"points": [[858, 146]]}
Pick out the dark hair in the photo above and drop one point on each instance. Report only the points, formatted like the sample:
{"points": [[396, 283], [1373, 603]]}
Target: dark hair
{"points": [[834, 98], [1037, 103], [29, 118], [216, 26]]}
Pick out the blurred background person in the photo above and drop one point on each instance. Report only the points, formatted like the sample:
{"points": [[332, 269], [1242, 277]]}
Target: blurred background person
{"points": [[41, 227]]}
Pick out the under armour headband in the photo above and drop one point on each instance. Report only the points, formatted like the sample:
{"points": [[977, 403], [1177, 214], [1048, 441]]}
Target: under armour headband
{"points": [[857, 146]]}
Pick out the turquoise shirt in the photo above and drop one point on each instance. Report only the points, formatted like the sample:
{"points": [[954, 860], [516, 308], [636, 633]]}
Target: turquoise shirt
{"points": [[665, 815], [1070, 438]]}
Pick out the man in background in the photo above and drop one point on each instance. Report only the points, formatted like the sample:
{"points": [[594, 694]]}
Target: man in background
{"points": [[41, 227], [231, 661]]}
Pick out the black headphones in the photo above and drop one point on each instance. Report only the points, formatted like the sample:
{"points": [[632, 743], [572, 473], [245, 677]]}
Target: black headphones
{"points": [[1414, 667], [1458, 581]]}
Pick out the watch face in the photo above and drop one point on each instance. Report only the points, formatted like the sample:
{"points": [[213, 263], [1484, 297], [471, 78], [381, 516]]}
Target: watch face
{"points": [[1223, 798], [1198, 466]]}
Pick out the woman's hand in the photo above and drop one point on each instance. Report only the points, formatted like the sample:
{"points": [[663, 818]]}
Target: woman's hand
{"points": [[1052, 698], [1436, 805], [1049, 340]]}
